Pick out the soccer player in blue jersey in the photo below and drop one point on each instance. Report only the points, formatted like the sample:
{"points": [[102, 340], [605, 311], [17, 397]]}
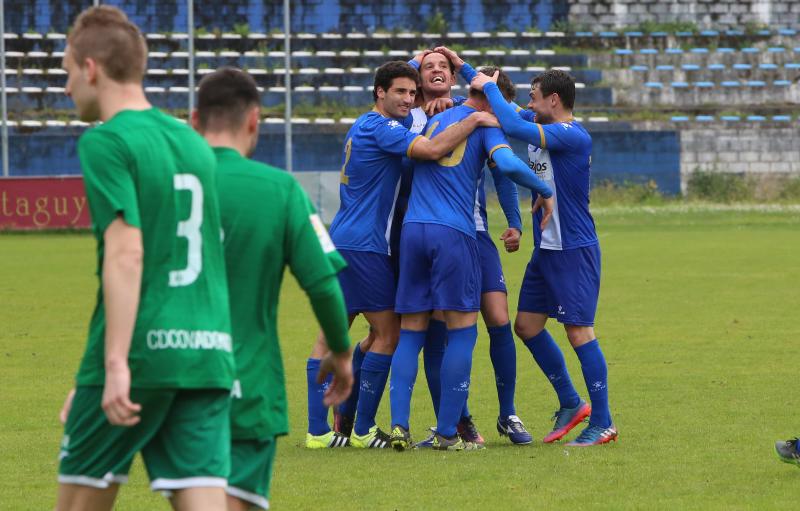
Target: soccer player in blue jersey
{"points": [[562, 280], [440, 267], [370, 175]]}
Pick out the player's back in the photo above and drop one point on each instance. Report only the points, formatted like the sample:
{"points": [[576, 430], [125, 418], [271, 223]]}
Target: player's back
{"points": [[369, 185], [159, 175], [444, 191], [262, 208]]}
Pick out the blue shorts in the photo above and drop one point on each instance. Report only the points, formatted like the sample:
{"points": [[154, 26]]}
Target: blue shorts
{"points": [[564, 284], [368, 283], [439, 270], [492, 278]]}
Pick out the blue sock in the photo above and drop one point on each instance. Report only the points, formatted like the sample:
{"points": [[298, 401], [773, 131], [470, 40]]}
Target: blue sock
{"points": [[317, 412], [551, 361], [504, 359], [405, 364], [456, 367], [374, 371], [348, 407], [435, 341], [595, 372]]}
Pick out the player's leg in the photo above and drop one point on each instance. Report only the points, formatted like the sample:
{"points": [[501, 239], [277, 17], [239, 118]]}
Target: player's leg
{"points": [[414, 303], [536, 303], [374, 374], [578, 272], [74, 497], [95, 456], [319, 434], [455, 288], [404, 374], [251, 474], [189, 458], [432, 353], [344, 415], [503, 353]]}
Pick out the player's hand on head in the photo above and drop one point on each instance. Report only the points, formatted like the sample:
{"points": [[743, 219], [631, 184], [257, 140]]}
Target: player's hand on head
{"points": [[421, 55], [481, 79], [510, 239], [546, 205], [438, 105], [64, 413], [116, 403], [341, 366], [451, 56], [486, 120]]}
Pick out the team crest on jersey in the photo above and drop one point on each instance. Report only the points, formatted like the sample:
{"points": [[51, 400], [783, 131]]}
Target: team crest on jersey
{"points": [[393, 124], [566, 125]]}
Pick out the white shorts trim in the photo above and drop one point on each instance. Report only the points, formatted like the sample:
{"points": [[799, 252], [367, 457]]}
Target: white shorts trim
{"points": [[252, 498], [94, 482], [188, 482]]}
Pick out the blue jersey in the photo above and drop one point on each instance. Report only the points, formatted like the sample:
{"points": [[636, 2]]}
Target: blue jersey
{"points": [[561, 156], [444, 191], [370, 177]]}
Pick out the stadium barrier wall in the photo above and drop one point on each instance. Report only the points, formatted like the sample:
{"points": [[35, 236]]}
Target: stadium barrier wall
{"points": [[43, 203], [610, 14]]}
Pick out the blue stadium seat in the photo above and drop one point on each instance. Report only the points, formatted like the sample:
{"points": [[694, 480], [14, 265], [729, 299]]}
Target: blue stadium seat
{"points": [[679, 85], [717, 67], [699, 50], [756, 83], [634, 34], [584, 34], [608, 34], [658, 34], [654, 85], [787, 31], [674, 51], [704, 118], [684, 34], [623, 51], [767, 66], [709, 33], [648, 51], [782, 118], [741, 66], [704, 85], [776, 49], [730, 83], [639, 68], [734, 33], [732, 118], [756, 118], [750, 50], [725, 50], [679, 118], [690, 67], [665, 67], [781, 83]]}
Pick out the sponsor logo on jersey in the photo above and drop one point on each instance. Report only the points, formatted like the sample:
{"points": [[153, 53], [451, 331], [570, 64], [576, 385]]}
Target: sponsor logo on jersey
{"points": [[322, 234], [236, 390], [174, 339]]}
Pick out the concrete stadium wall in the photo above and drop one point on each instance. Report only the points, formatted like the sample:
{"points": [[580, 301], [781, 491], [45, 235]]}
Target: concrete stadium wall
{"points": [[609, 14], [307, 15], [767, 152]]}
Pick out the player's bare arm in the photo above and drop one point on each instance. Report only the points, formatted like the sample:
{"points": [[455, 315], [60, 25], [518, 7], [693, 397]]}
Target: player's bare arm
{"points": [[452, 56], [122, 275], [546, 205], [510, 239], [447, 140]]}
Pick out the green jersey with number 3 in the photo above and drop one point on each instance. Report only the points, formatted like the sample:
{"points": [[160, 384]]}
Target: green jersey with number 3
{"points": [[269, 224], [157, 174]]}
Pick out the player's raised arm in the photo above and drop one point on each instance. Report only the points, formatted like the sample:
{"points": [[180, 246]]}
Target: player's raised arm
{"points": [[510, 121], [508, 197]]}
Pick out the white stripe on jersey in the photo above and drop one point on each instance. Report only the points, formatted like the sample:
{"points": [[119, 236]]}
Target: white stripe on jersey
{"points": [[420, 120], [476, 213], [539, 160], [388, 233]]}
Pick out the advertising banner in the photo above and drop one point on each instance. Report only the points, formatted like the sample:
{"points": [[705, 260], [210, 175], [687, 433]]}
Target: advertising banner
{"points": [[31, 203]]}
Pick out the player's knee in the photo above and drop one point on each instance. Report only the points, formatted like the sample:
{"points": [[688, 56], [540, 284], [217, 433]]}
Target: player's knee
{"points": [[579, 335], [526, 329], [495, 317]]}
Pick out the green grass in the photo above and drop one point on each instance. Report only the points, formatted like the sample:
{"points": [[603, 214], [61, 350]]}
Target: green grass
{"points": [[697, 319]]}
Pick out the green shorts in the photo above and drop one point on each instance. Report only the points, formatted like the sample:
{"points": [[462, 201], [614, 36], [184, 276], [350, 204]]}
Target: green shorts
{"points": [[251, 470], [183, 435]]}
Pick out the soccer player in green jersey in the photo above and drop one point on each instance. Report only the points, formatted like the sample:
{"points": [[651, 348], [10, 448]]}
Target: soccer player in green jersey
{"points": [[158, 368], [268, 224]]}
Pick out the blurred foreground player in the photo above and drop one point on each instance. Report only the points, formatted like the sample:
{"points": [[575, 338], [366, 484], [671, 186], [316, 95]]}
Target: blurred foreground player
{"points": [[268, 224], [158, 367], [562, 280]]}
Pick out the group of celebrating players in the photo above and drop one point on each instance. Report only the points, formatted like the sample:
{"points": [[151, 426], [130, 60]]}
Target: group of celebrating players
{"points": [[413, 229], [183, 363]]}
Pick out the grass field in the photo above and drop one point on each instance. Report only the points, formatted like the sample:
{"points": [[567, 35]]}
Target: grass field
{"points": [[697, 318]]}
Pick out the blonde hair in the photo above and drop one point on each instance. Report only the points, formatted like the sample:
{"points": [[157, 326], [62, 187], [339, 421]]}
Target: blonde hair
{"points": [[105, 34]]}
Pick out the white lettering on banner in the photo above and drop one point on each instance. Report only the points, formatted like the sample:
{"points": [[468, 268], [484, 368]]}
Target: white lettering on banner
{"points": [[188, 340]]}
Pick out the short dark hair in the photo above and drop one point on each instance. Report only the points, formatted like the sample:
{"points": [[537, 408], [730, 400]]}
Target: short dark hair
{"points": [[559, 82], [504, 83], [449, 62], [386, 74], [224, 97]]}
